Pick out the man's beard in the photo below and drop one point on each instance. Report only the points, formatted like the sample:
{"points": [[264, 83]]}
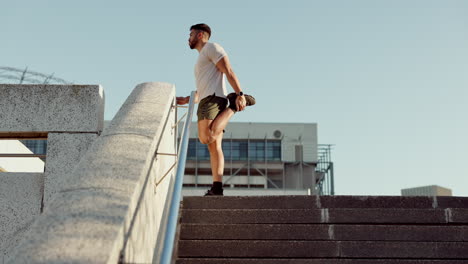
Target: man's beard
{"points": [[192, 44]]}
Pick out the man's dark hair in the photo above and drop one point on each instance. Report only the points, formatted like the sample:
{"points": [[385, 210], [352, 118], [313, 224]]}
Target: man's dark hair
{"points": [[202, 27]]}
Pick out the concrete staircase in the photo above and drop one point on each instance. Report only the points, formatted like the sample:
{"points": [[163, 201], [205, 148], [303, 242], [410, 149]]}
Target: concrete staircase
{"points": [[323, 229]]}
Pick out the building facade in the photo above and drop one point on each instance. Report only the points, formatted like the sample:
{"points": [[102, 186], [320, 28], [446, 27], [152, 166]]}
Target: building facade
{"points": [[284, 157]]}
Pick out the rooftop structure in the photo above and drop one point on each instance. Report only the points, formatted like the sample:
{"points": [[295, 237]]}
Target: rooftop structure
{"points": [[432, 190]]}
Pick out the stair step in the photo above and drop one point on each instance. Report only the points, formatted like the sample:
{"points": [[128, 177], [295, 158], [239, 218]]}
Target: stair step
{"points": [[321, 249], [316, 202], [312, 261], [298, 216], [324, 232]]}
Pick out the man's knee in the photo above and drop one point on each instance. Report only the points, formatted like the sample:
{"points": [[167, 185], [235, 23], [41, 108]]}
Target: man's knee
{"points": [[211, 139], [208, 137], [207, 140], [203, 139]]}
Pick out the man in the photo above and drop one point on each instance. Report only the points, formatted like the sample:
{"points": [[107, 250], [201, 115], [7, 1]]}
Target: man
{"points": [[213, 110]]}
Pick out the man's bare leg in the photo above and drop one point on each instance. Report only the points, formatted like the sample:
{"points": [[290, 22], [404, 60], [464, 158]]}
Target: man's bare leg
{"points": [[217, 159], [210, 130]]}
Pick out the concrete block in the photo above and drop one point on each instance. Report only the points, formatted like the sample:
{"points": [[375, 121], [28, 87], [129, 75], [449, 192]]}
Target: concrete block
{"points": [[73, 231], [143, 110], [20, 203], [99, 215], [64, 151], [147, 220], [257, 248], [43, 108]]}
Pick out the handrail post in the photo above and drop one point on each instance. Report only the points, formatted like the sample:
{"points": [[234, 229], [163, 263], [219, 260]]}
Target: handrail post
{"points": [[169, 238]]}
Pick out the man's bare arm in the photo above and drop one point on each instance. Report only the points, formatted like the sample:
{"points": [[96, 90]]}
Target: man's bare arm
{"points": [[182, 100], [185, 100], [224, 66]]}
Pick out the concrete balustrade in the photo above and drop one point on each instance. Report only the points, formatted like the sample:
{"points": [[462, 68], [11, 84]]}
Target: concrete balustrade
{"points": [[63, 152], [70, 117], [109, 208]]}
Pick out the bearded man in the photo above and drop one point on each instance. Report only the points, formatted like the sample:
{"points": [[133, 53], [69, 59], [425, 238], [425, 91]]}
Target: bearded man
{"points": [[215, 106]]}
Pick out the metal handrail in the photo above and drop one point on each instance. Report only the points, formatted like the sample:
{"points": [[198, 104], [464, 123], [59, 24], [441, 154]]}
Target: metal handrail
{"points": [[169, 237]]}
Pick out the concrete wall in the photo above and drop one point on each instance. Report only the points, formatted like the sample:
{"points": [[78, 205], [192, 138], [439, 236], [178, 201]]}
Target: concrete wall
{"points": [[64, 150], [20, 204], [59, 108], [303, 176], [110, 206], [60, 112]]}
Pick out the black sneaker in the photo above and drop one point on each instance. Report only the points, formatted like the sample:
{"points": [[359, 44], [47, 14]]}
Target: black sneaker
{"points": [[211, 192], [249, 100]]}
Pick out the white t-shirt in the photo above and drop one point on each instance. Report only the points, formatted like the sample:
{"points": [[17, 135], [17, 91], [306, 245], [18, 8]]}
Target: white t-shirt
{"points": [[209, 79]]}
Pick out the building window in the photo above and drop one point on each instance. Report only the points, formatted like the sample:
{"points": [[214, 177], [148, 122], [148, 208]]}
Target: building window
{"points": [[202, 151], [274, 150], [238, 150], [257, 150], [36, 146]]}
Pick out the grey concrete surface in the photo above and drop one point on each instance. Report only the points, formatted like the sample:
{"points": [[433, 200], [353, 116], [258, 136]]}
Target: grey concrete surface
{"points": [[325, 232], [458, 215], [401, 249], [297, 216], [318, 249], [254, 231], [43, 108], [390, 230], [142, 238], [20, 203], [258, 248], [251, 216], [64, 150], [251, 202], [104, 207]]}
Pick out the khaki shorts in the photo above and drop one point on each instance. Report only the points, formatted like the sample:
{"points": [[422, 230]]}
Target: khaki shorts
{"points": [[210, 106]]}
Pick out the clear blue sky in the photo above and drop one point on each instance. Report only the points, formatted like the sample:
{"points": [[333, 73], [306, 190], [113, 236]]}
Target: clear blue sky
{"points": [[386, 81]]}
